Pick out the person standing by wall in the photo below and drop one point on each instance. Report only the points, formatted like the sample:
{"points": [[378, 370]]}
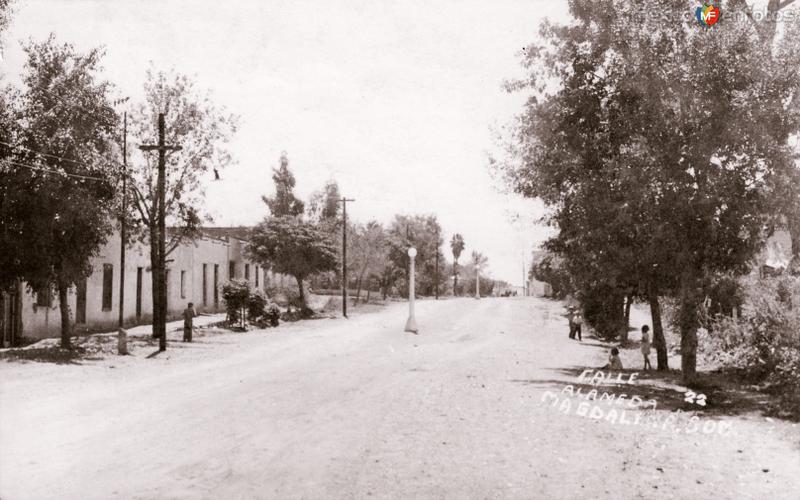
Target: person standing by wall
{"points": [[188, 324]]}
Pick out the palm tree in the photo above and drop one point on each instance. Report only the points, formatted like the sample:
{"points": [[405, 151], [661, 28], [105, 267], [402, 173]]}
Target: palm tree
{"points": [[457, 245], [478, 260]]}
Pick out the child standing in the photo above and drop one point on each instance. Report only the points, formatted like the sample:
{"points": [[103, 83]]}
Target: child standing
{"points": [[188, 315], [646, 347]]}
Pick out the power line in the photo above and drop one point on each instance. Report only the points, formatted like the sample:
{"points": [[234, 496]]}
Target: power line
{"points": [[51, 171], [56, 157]]}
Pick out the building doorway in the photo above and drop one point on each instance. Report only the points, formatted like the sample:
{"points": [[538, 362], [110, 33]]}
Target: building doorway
{"points": [[138, 292], [80, 302], [10, 316]]}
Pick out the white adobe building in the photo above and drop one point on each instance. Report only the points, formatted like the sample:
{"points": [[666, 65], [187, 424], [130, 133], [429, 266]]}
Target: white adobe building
{"points": [[195, 272]]}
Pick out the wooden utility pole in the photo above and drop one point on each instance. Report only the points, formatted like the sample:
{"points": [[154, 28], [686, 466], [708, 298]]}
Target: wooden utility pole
{"points": [[159, 268], [437, 265], [524, 282], [344, 255], [123, 218]]}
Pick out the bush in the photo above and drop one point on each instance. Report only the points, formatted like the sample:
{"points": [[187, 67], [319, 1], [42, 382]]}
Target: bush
{"points": [[764, 341], [272, 314], [261, 311], [242, 304], [255, 305], [284, 295], [236, 293]]}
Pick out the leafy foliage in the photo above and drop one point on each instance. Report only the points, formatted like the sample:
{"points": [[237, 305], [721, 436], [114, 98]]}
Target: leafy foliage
{"points": [[261, 311], [56, 218], [242, 304], [236, 294], [423, 232], [367, 249], [284, 203], [456, 246], [203, 131], [294, 247], [765, 339], [617, 139], [323, 206], [549, 269]]}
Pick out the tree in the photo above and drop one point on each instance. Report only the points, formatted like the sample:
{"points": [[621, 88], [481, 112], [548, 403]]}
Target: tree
{"points": [[549, 268], [478, 262], [457, 246], [58, 194], [366, 251], [470, 280], [323, 206], [5, 17], [642, 195], [423, 233], [284, 203], [322, 210], [203, 131], [290, 246]]}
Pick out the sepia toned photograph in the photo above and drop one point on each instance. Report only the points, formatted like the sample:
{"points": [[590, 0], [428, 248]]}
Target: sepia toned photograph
{"points": [[399, 249]]}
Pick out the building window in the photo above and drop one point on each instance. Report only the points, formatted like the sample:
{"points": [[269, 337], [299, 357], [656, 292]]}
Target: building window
{"points": [[44, 297], [256, 276], [183, 284], [231, 270], [205, 285], [247, 272], [108, 283]]}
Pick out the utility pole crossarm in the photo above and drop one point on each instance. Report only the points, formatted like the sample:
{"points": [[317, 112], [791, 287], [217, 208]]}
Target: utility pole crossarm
{"points": [[160, 301], [150, 147]]}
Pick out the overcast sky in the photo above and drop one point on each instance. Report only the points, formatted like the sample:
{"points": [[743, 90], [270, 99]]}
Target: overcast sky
{"points": [[394, 100]]}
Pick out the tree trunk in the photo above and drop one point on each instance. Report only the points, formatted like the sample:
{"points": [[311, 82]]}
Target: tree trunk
{"points": [[455, 285], [477, 284], [659, 342], [628, 301], [627, 323], [358, 285], [687, 320], [63, 305], [302, 293]]}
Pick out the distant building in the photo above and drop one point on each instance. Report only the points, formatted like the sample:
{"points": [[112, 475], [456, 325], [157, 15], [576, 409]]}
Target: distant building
{"points": [[195, 272], [538, 288]]}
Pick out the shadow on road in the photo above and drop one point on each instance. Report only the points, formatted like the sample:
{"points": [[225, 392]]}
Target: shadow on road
{"points": [[55, 355], [722, 396]]}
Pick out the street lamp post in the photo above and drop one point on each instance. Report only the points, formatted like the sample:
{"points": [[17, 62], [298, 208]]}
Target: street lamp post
{"points": [[411, 324]]}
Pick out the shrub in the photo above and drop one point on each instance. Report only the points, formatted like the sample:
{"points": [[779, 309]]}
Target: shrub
{"points": [[272, 315], [256, 303], [236, 293], [261, 311], [765, 340]]}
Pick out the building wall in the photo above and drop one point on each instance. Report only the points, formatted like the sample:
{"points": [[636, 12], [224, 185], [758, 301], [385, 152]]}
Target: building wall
{"points": [[188, 258]]}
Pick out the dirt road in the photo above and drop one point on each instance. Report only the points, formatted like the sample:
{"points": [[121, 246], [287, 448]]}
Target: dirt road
{"points": [[356, 409]]}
